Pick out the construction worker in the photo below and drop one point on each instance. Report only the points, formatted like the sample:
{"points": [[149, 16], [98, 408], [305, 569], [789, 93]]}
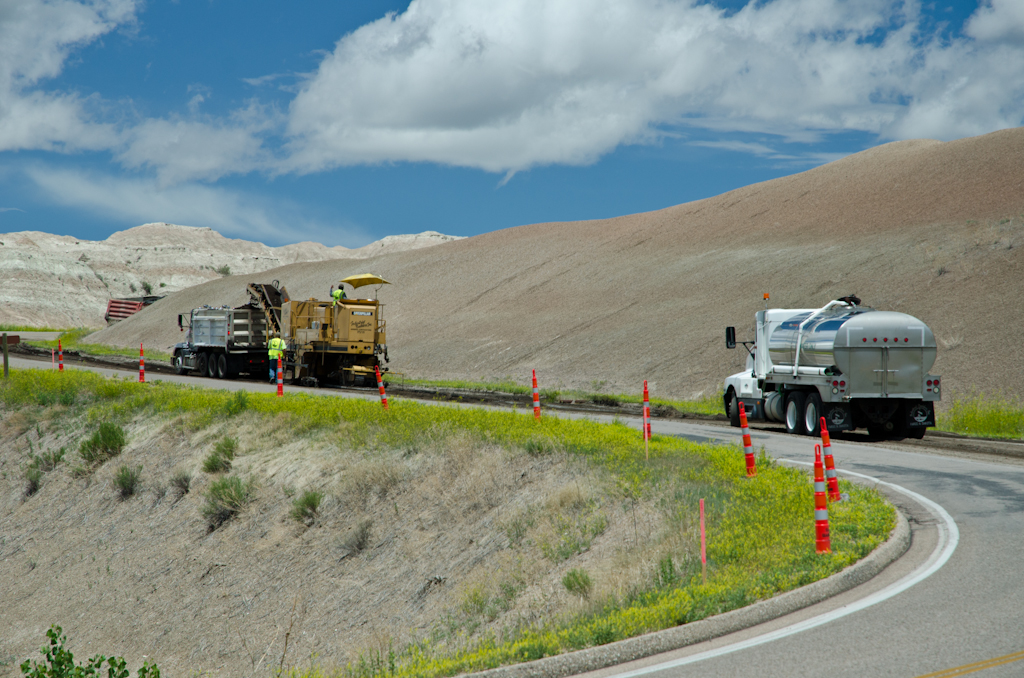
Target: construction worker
{"points": [[337, 294], [275, 350]]}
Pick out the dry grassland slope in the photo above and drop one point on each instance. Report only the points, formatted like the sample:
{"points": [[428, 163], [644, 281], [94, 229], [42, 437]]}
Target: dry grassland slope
{"points": [[928, 228]]}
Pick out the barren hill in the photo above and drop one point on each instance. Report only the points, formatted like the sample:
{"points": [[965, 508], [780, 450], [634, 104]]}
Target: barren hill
{"points": [[63, 281], [928, 228]]}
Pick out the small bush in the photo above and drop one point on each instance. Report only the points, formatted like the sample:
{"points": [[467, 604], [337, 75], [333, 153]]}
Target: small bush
{"points": [[219, 461], [357, 539], [60, 663], [237, 403], [105, 443], [33, 480], [181, 481], [223, 270], [577, 582], [127, 481], [225, 498], [147, 288], [47, 461], [306, 508]]}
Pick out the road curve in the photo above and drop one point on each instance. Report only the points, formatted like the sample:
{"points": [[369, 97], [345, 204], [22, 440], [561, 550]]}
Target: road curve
{"points": [[966, 617]]}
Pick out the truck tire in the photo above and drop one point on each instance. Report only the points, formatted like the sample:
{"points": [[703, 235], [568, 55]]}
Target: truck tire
{"points": [[201, 365], [916, 432], [734, 409], [795, 413], [812, 414], [211, 366], [222, 366], [179, 365]]}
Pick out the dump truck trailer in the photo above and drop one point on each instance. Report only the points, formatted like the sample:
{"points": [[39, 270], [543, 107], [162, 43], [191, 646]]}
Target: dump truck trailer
{"points": [[222, 342], [853, 365]]}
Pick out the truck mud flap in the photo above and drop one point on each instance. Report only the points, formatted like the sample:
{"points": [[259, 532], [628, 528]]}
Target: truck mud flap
{"points": [[837, 416], [920, 414]]}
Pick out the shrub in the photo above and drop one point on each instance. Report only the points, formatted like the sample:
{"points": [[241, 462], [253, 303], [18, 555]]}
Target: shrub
{"points": [[147, 288], [577, 582], [33, 480], [181, 481], [225, 498], [306, 508], [107, 442], [237, 403], [47, 461], [60, 663], [357, 539], [219, 460], [127, 481], [223, 270]]}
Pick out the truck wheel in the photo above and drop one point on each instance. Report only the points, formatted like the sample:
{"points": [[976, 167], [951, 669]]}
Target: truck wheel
{"points": [[916, 432], [211, 366], [222, 366], [795, 413], [812, 414], [179, 365], [734, 410], [201, 365]]}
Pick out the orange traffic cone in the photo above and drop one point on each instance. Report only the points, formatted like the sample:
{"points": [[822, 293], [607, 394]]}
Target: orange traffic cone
{"points": [[830, 465], [142, 366], [380, 385], [60, 357], [748, 447], [280, 378], [823, 543]]}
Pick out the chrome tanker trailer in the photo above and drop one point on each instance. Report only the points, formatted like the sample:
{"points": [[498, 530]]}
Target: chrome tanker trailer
{"points": [[853, 365]]}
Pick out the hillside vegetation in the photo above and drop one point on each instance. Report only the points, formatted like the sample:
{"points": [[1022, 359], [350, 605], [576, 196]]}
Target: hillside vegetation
{"points": [[238, 534]]}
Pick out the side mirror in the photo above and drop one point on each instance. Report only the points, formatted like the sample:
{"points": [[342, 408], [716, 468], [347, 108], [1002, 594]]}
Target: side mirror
{"points": [[180, 325], [730, 337]]}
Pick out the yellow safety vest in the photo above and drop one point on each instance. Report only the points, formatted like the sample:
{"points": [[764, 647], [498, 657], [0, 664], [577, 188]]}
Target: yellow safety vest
{"points": [[274, 348]]}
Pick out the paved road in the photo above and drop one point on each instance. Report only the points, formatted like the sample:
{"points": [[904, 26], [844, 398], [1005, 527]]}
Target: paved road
{"points": [[966, 612]]}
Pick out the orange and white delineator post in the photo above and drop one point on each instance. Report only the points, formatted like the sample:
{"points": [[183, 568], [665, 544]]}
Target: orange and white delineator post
{"points": [[748, 447], [822, 543], [280, 378], [60, 356], [536, 398], [142, 365], [380, 386], [830, 465], [647, 422]]}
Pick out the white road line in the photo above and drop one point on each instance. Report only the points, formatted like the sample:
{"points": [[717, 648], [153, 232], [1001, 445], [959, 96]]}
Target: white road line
{"points": [[949, 537]]}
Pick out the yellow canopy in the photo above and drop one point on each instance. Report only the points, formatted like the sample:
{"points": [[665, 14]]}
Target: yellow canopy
{"points": [[365, 279]]}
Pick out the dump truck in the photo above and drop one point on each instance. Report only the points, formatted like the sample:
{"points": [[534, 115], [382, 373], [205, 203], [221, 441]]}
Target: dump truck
{"points": [[327, 342], [851, 364], [222, 342]]}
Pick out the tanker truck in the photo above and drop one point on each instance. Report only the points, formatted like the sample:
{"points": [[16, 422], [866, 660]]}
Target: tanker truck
{"points": [[853, 365]]}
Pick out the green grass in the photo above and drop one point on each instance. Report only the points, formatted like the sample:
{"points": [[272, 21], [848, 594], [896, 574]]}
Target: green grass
{"points": [[984, 417], [219, 460], [107, 442], [306, 507], [28, 328], [127, 481], [71, 340], [707, 405], [761, 530]]}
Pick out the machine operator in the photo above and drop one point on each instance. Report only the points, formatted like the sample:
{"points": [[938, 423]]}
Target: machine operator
{"points": [[337, 294], [275, 350]]}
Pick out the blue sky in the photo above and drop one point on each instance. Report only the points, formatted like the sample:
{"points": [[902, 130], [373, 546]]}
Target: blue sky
{"points": [[344, 122]]}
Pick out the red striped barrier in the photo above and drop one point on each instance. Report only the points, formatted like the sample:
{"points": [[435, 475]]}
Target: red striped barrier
{"points": [[830, 464], [380, 385], [748, 447], [60, 356], [536, 398], [142, 365], [822, 543], [280, 378]]}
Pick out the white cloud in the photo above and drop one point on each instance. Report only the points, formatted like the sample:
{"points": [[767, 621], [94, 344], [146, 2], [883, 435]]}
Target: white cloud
{"points": [[998, 21], [230, 213], [508, 85], [35, 40], [511, 84]]}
